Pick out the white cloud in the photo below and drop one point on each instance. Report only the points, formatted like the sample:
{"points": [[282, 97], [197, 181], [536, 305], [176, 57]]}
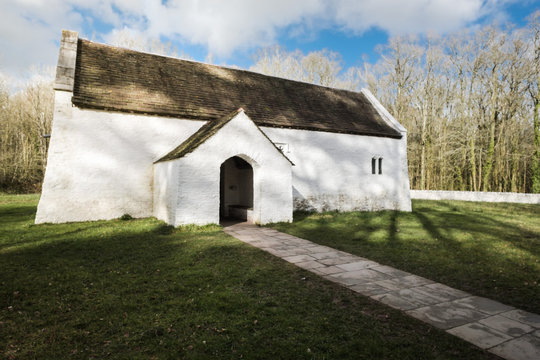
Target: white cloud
{"points": [[224, 26], [397, 16], [30, 29]]}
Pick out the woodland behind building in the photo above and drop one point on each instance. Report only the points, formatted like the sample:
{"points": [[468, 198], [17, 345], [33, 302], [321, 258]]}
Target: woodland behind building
{"points": [[469, 100], [25, 117]]}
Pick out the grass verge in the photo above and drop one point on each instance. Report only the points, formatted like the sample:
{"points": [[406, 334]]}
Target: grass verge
{"points": [[139, 289], [487, 249]]}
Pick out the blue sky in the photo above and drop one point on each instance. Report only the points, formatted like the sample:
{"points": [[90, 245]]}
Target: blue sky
{"points": [[231, 31]]}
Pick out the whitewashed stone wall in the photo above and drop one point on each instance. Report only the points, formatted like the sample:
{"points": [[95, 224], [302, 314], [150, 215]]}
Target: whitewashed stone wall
{"points": [[100, 163], [199, 173], [333, 171], [165, 190], [100, 166], [476, 196]]}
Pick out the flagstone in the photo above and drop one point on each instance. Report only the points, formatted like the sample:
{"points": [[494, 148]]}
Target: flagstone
{"points": [[508, 326], [526, 347], [369, 289], [480, 335], [309, 265], [447, 315], [358, 276], [484, 305], [326, 255], [390, 271], [357, 265], [524, 317], [338, 261], [298, 258]]}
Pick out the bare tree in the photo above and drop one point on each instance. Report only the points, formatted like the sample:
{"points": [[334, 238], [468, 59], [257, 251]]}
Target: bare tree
{"points": [[318, 67], [533, 87], [136, 41], [463, 100], [25, 118]]}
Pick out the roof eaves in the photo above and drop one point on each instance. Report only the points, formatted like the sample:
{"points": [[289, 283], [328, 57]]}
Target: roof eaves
{"points": [[335, 131], [80, 103]]}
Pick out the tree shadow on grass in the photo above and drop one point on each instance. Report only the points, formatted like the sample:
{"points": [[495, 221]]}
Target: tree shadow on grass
{"points": [[140, 288], [435, 233], [489, 221], [13, 215], [393, 227]]}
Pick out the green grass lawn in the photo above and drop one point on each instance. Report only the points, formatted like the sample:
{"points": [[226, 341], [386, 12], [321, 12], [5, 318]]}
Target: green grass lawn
{"points": [[487, 249], [141, 289]]}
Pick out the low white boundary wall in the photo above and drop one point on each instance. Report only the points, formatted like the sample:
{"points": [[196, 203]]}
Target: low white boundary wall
{"points": [[476, 196]]}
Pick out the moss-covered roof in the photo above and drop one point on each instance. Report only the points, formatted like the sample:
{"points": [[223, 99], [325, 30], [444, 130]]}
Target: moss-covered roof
{"points": [[112, 78]]}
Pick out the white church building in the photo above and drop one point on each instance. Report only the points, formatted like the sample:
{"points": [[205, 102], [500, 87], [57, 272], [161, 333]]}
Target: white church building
{"points": [[191, 143]]}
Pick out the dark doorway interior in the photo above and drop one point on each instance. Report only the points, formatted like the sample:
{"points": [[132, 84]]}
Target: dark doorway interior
{"points": [[236, 190]]}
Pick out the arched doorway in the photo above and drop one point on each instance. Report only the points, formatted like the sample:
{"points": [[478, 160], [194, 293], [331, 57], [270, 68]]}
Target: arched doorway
{"points": [[236, 190]]}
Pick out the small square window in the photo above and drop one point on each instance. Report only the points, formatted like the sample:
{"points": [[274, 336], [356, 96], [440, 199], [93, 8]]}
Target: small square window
{"points": [[376, 165]]}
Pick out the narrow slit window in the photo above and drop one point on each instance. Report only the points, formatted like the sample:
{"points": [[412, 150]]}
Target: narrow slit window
{"points": [[380, 166], [373, 166]]}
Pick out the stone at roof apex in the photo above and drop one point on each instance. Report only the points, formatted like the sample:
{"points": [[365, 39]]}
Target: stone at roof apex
{"points": [[65, 70], [70, 36]]}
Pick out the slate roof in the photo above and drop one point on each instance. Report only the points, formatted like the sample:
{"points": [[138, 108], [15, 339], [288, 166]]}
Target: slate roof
{"points": [[112, 78], [203, 134]]}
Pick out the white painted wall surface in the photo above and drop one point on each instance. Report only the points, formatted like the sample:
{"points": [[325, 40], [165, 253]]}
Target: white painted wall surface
{"points": [[198, 175], [165, 188], [476, 196], [100, 163], [100, 166], [333, 171]]}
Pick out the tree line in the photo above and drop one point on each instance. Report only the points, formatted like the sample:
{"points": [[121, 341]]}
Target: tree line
{"points": [[25, 117], [469, 100], [470, 103]]}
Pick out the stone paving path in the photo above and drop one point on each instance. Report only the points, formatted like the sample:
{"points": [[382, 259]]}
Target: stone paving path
{"points": [[503, 330]]}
